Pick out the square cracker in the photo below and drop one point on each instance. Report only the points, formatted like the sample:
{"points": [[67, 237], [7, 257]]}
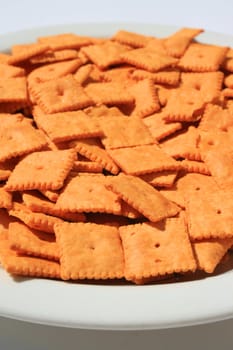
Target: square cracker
{"points": [[67, 125], [7, 71], [143, 159], [157, 249], [89, 251], [148, 59], [32, 242], [215, 118], [124, 132], [168, 77], [142, 197], [210, 252], [19, 138], [34, 170], [88, 194], [106, 54], [13, 90], [61, 95], [64, 41], [203, 58], [209, 213], [131, 38]]}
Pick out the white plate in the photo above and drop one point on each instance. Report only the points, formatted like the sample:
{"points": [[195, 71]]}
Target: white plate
{"points": [[119, 307]]}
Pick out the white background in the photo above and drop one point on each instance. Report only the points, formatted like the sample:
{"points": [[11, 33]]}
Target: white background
{"points": [[212, 15]]}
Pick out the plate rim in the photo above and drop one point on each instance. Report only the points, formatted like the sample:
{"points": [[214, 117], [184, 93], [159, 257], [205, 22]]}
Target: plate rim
{"points": [[135, 307]]}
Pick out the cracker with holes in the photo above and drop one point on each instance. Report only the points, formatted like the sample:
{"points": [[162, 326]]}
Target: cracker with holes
{"points": [[155, 249], [148, 59], [203, 58], [89, 251], [142, 197], [32, 242], [169, 77], [185, 104], [19, 138], [209, 214], [164, 178], [61, 95], [184, 144], [143, 159], [105, 55], [88, 194], [216, 118], [34, 170]]}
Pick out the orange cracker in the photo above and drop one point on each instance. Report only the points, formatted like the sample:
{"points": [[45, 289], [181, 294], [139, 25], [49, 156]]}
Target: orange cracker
{"points": [[5, 198], [13, 90], [124, 132], [210, 252], [83, 73], [30, 266], [36, 203], [61, 95], [183, 145], [146, 98], [7, 71], [51, 195], [119, 73], [6, 168], [174, 194], [164, 92], [157, 249], [131, 38], [227, 92], [23, 52], [4, 57], [215, 118], [148, 59], [142, 197], [89, 251], [209, 83], [5, 219], [228, 81], [167, 77], [32, 242], [158, 127], [64, 41], [54, 56], [192, 166], [209, 214], [20, 138], [52, 71], [103, 111], [177, 43], [202, 58], [91, 149], [86, 166], [110, 93], [217, 151], [85, 194], [34, 171], [129, 212], [184, 104], [37, 221], [143, 159], [105, 55], [228, 61], [67, 125], [161, 178]]}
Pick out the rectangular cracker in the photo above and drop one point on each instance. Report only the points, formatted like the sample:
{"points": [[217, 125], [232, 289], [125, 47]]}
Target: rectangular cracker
{"points": [[142, 197]]}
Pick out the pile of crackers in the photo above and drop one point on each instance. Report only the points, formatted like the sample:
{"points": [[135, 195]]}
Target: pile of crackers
{"points": [[116, 157]]}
